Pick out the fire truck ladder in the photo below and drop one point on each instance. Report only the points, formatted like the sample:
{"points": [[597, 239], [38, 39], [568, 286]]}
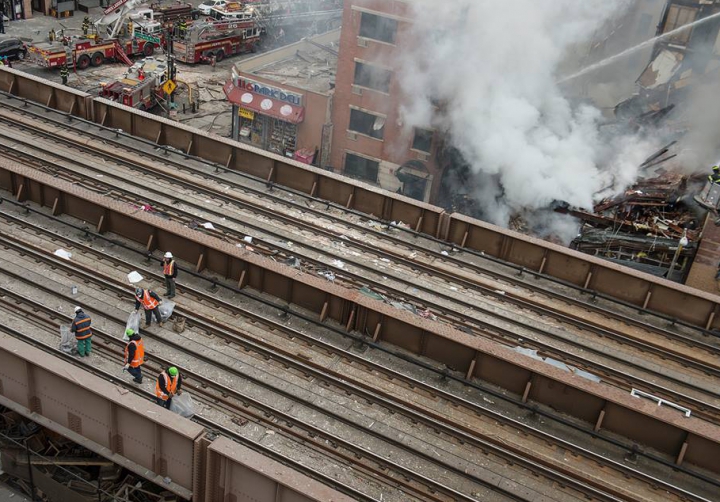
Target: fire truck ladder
{"points": [[120, 53]]}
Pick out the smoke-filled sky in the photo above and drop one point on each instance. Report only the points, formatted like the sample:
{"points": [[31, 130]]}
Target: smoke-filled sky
{"points": [[492, 67]]}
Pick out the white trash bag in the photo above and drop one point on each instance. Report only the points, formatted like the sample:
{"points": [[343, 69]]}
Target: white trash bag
{"points": [[183, 405], [166, 309], [68, 342], [133, 323]]}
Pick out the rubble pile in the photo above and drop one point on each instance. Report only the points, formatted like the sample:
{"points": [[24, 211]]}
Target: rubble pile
{"points": [[60, 470], [642, 227]]}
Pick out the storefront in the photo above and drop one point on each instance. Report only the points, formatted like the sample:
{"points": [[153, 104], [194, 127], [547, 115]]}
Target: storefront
{"points": [[266, 117]]}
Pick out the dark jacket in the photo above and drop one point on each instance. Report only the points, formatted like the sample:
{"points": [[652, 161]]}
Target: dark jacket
{"points": [[161, 383], [174, 268], [81, 325], [132, 347], [152, 294]]}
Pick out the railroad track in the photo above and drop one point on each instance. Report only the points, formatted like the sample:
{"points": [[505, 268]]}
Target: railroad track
{"points": [[244, 406], [207, 327], [700, 400]]}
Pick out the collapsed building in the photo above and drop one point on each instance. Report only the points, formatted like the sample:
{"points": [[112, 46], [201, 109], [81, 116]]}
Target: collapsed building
{"points": [[657, 224]]}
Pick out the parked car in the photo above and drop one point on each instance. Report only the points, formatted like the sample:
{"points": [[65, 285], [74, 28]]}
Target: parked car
{"points": [[13, 48], [208, 5]]}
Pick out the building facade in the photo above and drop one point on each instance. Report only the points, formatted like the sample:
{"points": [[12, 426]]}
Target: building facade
{"points": [[281, 99], [369, 141]]}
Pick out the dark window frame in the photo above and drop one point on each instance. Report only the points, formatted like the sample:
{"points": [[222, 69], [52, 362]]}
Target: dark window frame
{"points": [[426, 137], [380, 28], [363, 122], [362, 169], [367, 75]]}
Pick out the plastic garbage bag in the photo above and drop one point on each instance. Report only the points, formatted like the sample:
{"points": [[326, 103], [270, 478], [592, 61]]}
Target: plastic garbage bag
{"points": [[183, 405], [166, 309], [133, 323], [68, 342]]}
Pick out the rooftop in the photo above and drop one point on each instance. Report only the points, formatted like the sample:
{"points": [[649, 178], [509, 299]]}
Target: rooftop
{"points": [[310, 64]]}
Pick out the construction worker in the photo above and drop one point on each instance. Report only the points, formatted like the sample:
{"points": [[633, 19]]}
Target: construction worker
{"points": [[134, 355], [51, 35], [2, 62], [170, 273], [168, 385], [83, 332], [149, 301], [64, 72], [182, 27], [86, 25], [715, 176]]}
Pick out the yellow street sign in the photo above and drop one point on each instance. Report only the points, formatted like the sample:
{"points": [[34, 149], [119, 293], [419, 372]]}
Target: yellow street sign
{"points": [[169, 87], [246, 114]]}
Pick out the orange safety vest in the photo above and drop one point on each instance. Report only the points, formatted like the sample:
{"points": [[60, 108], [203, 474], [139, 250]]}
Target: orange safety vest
{"points": [[148, 302], [139, 353], [170, 385], [84, 332], [168, 268]]}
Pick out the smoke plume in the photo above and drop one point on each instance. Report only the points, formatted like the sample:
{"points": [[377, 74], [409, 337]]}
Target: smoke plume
{"points": [[484, 73]]}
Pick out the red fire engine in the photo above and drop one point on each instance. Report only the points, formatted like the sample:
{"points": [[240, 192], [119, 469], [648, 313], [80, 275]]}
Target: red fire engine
{"points": [[140, 87], [121, 40], [204, 40]]}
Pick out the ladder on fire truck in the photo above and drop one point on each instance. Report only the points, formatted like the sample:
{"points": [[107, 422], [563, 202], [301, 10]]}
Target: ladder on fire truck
{"points": [[120, 53]]}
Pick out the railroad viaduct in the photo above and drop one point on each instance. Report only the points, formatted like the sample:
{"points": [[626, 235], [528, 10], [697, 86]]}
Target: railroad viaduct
{"points": [[211, 469]]}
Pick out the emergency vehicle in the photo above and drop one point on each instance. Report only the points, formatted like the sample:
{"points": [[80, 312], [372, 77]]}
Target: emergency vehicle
{"points": [[204, 40], [85, 52], [115, 39], [140, 87]]}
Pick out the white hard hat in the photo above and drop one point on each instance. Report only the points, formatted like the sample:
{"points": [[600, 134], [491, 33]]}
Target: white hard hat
{"points": [[78, 309], [168, 255]]}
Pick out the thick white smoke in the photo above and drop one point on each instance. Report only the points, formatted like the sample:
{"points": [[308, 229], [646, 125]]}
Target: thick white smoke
{"points": [[484, 72]]}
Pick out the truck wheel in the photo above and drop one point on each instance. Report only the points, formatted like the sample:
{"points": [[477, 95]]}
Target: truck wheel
{"points": [[253, 48], [148, 49], [195, 16], [22, 55], [83, 62], [219, 55], [97, 59]]}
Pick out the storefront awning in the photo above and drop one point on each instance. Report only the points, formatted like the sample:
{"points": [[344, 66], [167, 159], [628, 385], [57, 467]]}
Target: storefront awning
{"points": [[264, 105]]}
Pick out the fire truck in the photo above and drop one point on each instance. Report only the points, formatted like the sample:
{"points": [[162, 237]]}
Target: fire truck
{"points": [[140, 87], [115, 39], [204, 40]]}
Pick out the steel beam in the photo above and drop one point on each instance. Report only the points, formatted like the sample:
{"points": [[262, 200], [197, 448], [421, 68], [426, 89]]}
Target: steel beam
{"points": [[98, 415]]}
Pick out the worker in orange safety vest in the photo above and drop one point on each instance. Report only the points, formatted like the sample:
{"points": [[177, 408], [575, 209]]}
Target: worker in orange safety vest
{"points": [[170, 273], [134, 355], [168, 385], [149, 301]]}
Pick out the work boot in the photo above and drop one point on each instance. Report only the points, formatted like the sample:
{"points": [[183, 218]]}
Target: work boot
{"points": [[146, 325], [161, 324], [137, 380]]}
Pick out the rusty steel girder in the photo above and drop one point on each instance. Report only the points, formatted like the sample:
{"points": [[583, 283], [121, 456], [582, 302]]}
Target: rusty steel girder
{"points": [[104, 418], [687, 439]]}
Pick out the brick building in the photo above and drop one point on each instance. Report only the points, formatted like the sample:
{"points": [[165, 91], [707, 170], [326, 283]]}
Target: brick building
{"points": [[282, 99], [369, 141]]}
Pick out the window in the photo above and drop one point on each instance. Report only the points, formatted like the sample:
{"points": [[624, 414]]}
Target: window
{"points": [[362, 168], [680, 16], [367, 123], [378, 28], [423, 140], [373, 77]]}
